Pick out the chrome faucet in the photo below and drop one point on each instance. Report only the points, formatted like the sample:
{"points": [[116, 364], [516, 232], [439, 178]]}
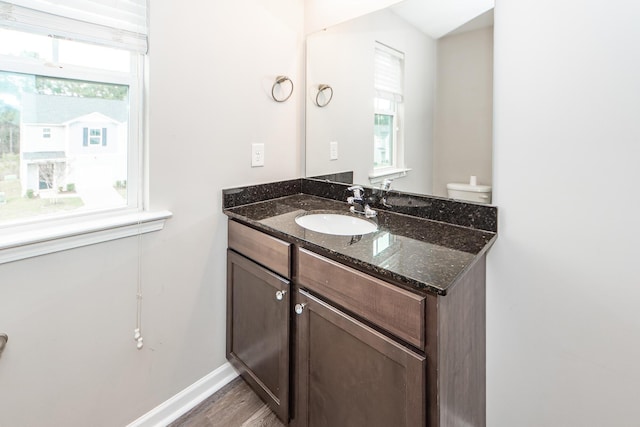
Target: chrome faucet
{"points": [[385, 187], [360, 206]]}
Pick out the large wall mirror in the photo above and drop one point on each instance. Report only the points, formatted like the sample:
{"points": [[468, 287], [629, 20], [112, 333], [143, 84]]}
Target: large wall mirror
{"points": [[390, 96]]}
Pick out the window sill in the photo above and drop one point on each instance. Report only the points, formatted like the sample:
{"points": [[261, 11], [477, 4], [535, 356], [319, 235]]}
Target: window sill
{"points": [[25, 244], [392, 173]]}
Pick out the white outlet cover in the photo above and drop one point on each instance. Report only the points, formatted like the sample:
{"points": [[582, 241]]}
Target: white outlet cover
{"points": [[333, 150], [257, 155]]}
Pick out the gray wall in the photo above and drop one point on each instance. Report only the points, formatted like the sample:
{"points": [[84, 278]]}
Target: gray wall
{"points": [[71, 358], [563, 333], [463, 123]]}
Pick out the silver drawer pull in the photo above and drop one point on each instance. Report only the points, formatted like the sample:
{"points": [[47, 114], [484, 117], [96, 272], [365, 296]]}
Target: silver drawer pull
{"points": [[280, 295], [299, 308]]}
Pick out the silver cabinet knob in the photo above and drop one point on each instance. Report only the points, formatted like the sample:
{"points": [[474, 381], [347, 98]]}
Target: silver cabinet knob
{"points": [[299, 308], [280, 295]]}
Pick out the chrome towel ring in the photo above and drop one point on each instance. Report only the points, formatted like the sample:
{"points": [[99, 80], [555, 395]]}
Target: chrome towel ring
{"points": [[4, 338], [321, 90], [278, 83]]}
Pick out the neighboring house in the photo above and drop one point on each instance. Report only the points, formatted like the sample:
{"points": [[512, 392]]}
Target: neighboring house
{"points": [[72, 140]]}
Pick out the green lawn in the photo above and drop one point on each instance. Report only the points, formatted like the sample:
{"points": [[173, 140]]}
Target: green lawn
{"points": [[18, 207], [9, 164]]}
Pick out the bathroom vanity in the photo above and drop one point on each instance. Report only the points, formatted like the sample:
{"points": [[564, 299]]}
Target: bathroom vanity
{"points": [[385, 328]]}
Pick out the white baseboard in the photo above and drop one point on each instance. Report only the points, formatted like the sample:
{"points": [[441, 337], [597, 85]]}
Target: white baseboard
{"points": [[187, 399]]}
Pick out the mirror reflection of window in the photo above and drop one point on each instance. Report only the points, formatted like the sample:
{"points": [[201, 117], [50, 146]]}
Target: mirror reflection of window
{"points": [[384, 133], [388, 84], [381, 243]]}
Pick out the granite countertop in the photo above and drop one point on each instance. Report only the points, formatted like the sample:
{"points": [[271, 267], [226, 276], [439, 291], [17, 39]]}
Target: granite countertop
{"points": [[418, 254]]}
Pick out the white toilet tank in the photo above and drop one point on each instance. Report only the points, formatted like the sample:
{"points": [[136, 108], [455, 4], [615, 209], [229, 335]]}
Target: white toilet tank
{"points": [[469, 193]]}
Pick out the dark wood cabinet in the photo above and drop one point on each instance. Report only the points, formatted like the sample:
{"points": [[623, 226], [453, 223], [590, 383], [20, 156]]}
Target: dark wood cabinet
{"points": [[258, 310], [349, 374], [364, 351], [395, 310]]}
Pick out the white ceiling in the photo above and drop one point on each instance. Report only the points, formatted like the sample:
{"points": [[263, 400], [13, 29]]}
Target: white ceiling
{"points": [[439, 17]]}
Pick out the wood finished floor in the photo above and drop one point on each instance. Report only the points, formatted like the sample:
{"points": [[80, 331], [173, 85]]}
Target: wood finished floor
{"points": [[234, 405]]}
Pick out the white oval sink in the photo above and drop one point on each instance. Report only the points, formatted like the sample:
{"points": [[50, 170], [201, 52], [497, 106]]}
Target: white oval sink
{"points": [[336, 224]]}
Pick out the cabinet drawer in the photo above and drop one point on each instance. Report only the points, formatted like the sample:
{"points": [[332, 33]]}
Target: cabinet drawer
{"points": [[398, 311], [273, 253]]}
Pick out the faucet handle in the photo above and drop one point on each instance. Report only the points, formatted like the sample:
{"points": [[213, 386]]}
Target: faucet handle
{"points": [[357, 191], [386, 184], [368, 212]]}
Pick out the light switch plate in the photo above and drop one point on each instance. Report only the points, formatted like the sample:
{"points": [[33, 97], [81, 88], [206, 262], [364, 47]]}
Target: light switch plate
{"points": [[257, 155], [333, 150]]}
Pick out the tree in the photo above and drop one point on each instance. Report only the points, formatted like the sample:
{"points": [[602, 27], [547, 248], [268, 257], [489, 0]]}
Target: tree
{"points": [[12, 86], [9, 129], [80, 89], [54, 176]]}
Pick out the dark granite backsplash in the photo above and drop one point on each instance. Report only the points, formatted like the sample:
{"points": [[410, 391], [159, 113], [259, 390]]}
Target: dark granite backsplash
{"points": [[239, 196], [343, 177], [472, 215]]}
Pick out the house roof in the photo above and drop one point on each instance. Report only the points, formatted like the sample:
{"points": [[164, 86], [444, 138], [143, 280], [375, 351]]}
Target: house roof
{"points": [[43, 155], [93, 117], [51, 109]]}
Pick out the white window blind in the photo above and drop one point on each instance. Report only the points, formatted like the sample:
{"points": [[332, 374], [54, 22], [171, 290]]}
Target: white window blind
{"points": [[114, 23], [388, 73]]}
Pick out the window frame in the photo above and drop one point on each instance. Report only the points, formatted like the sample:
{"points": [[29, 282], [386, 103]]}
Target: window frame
{"points": [[135, 143], [97, 137], [393, 93], [44, 234]]}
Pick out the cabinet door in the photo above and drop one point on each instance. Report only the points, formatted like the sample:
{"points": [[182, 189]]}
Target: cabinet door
{"points": [[348, 374], [258, 330]]}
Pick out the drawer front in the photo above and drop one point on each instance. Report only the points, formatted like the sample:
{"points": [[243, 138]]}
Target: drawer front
{"points": [[398, 311], [273, 253]]}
